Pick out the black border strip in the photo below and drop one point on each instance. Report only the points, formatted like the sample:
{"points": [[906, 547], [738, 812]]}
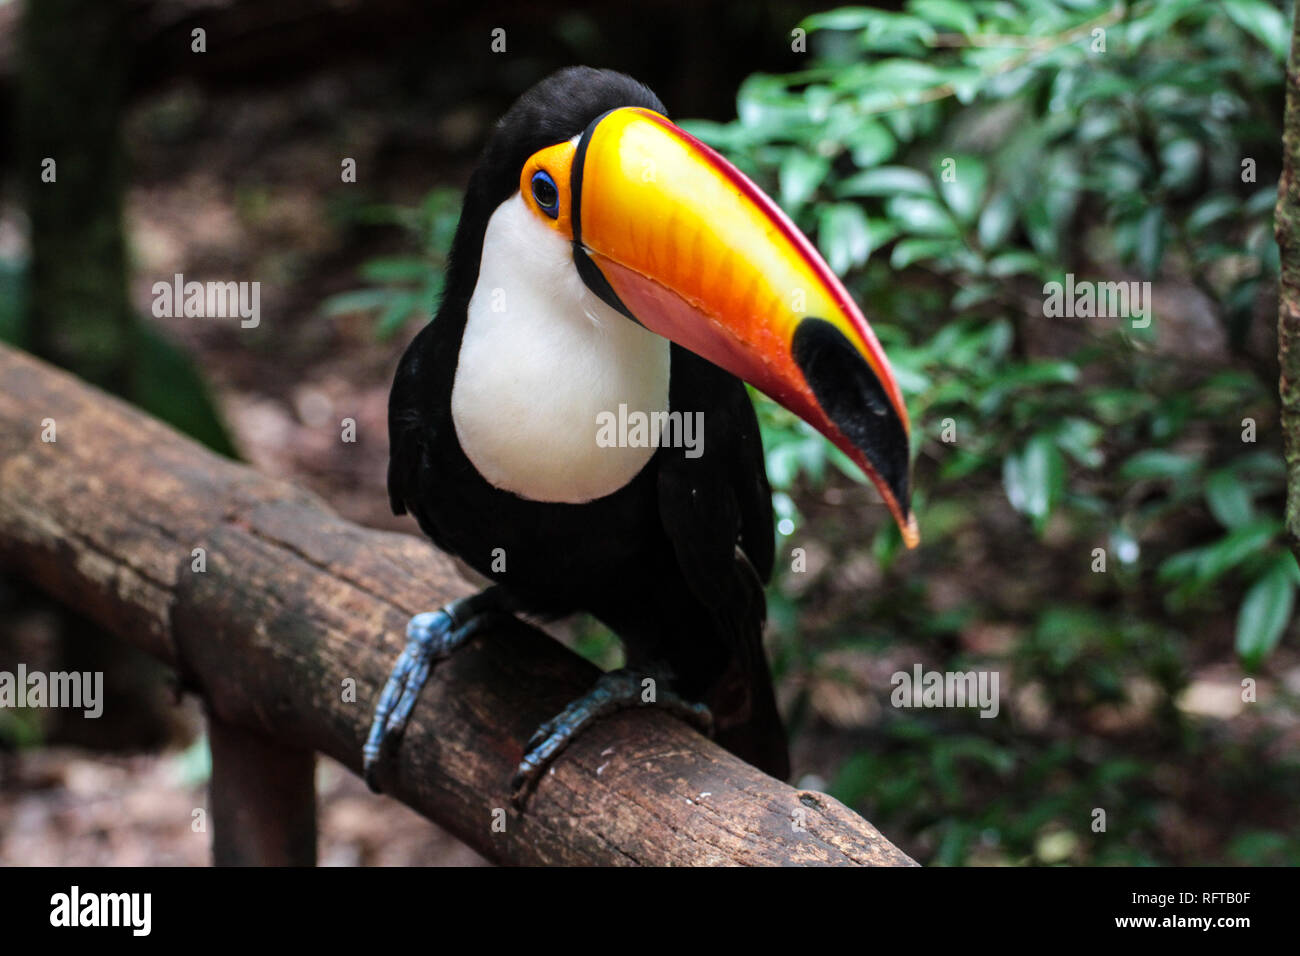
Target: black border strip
{"points": [[588, 271]]}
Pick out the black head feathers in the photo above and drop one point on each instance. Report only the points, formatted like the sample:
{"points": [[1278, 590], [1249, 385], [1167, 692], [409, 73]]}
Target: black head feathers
{"points": [[556, 109]]}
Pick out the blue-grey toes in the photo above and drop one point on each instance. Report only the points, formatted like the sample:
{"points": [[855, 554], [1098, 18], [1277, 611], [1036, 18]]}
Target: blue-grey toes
{"points": [[430, 637], [614, 691]]}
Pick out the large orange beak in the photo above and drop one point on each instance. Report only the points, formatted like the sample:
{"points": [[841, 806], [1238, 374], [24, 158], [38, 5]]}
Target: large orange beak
{"points": [[685, 244]]}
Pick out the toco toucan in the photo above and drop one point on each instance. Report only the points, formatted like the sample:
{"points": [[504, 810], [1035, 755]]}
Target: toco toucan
{"points": [[608, 265]]}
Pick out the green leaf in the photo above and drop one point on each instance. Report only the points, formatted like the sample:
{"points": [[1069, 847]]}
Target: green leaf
{"points": [[1262, 201], [1079, 438], [358, 300], [15, 317], [948, 14], [908, 251], [887, 181], [1034, 479], [1229, 499], [1038, 372], [921, 217], [397, 269], [972, 294], [1262, 21], [168, 385], [845, 18], [767, 109], [870, 142], [1158, 463], [1181, 160], [1158, 20], [1204, 565], [963, 188], [844, 235], [1151, 240], [401, 308], [1211, 211], [881, 30], [1266, 611], [800, 175], [996, 220], [1017, 262], [903, 77], [882, 231]]}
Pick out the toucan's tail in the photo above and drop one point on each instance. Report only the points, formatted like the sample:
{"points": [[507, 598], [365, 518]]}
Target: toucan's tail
{"points": [[743, 701], [714, 655], [746, 717]]}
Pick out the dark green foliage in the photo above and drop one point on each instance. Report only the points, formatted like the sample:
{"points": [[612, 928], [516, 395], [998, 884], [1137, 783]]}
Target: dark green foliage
{"points": [[1075, 140], [166, 383], [406, 287]]}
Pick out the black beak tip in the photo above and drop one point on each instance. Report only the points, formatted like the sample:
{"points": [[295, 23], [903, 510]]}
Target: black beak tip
{"points": [[855, 400]]}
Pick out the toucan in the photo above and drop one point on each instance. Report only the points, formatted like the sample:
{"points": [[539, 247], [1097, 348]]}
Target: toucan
{"points": [[608, 266]]}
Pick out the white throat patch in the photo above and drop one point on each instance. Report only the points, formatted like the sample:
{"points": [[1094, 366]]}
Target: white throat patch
{"points": [[541, 358]]}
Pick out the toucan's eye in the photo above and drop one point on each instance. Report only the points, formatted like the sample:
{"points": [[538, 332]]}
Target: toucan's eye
{"points": [[544, 191]]}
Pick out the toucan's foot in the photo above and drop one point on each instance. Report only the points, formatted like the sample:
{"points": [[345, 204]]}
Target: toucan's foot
{"points": [[617, 690], [430, 637]]}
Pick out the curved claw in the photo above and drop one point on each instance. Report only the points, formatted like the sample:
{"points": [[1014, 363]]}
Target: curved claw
{"points": [[698, 716], [614, 691], [540, 734]]}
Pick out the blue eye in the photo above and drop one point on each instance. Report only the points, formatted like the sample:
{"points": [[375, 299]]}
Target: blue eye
{"points": [[545, 193]]}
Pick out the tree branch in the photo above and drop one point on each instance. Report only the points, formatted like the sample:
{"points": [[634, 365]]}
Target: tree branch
{"points": [[1287, 230]]}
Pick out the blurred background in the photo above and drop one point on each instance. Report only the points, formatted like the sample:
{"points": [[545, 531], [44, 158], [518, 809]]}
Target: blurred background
{"points": [[1100, 504]]}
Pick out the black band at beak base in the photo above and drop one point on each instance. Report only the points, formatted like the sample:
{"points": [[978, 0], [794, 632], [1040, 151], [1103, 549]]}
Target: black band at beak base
{"points": [[588, 271]]}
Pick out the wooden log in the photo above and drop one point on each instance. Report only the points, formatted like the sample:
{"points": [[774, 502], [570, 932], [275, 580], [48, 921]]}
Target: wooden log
{"points": [[287, 620], [263, 799]]}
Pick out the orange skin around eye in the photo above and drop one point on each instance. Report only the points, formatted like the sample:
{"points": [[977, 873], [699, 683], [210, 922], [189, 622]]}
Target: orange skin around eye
{"points": [[556, 160]]}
